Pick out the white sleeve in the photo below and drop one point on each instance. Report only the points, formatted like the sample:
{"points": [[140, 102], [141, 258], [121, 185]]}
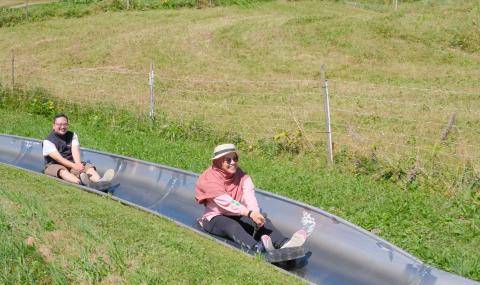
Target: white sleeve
{"points": [[48, 147], [75, 140]]}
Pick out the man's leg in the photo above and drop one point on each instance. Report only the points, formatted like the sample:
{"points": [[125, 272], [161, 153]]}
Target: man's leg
{"points": [[91, 178], [67, 176], [92, 173], [60, 171]]}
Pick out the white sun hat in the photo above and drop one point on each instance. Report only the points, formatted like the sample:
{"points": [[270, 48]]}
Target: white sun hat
{"points": [[224, 149]]}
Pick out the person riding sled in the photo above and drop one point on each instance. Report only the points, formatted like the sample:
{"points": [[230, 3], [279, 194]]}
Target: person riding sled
{"points": [[61, 152], [231, 208]]}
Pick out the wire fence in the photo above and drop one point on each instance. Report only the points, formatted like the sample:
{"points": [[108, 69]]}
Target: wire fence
{"points": [[393, 122]]}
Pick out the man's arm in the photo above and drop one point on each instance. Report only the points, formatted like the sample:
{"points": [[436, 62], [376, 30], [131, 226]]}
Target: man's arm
{"points": [[50, 150], [76, 154], [58, 157]]}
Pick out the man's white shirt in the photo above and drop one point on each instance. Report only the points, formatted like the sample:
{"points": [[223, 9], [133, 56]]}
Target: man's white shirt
{"points": [[49, 147]]}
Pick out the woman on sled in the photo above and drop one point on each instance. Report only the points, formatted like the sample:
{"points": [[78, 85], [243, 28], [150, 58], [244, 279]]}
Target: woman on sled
{"points": [[231, 209]]}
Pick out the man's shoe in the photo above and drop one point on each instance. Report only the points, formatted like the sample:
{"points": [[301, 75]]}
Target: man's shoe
{"points": [[107, 176], [85, 179], [101, 185]]}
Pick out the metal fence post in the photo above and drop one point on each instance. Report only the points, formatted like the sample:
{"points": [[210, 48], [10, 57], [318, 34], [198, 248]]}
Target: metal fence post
{"points": [[326, 106], [13, 68], [26, 9], [152, 101]]}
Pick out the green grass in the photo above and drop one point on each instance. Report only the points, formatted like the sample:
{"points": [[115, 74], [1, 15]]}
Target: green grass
{"points": [[13, 13], [250, 74], [395, 76], [83, 238], [440, 227]]}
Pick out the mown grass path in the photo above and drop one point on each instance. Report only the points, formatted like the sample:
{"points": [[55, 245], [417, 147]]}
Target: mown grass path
{"points": [[21, 3], [15, 4]]}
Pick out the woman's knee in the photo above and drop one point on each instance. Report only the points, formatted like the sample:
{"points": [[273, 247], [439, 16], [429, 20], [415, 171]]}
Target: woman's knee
{"points": [[231, 227]]}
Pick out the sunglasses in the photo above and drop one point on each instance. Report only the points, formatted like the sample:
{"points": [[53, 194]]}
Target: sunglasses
{"points": [[228, 160]]}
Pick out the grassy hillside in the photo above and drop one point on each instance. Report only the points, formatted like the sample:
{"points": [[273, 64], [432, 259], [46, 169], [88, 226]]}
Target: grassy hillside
{"points": [[441, 228], [251, 74], [55, 234], [396, 77]]}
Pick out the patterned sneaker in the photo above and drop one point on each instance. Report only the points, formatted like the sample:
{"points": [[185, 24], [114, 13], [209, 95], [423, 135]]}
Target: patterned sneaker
{"points": [[267, 243], [107, 176], [259, 247], [85, 179], [298, 239]]}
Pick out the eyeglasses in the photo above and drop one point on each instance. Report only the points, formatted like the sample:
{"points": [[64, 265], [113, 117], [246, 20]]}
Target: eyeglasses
{"points": [[228, 160]]}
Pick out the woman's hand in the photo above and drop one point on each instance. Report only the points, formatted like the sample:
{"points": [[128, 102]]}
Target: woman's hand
{"points": [[258, 218]]}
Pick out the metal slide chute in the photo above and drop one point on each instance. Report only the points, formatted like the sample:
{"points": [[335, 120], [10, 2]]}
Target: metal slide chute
{"points": [[338, 252]]}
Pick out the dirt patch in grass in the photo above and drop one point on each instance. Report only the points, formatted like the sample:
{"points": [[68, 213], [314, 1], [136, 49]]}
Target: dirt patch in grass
{"points": [[46, 253], [112, 280]]}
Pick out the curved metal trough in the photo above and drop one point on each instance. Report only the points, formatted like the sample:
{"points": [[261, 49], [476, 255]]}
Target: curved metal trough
{"points": [[339, 252]]}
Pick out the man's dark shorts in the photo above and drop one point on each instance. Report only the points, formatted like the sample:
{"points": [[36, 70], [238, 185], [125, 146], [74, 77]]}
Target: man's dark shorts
{"points": [[53, 169]]}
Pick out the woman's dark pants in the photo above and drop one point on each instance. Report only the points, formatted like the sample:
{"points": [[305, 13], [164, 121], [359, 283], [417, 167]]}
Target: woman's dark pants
{"points": [[240, 229]]}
